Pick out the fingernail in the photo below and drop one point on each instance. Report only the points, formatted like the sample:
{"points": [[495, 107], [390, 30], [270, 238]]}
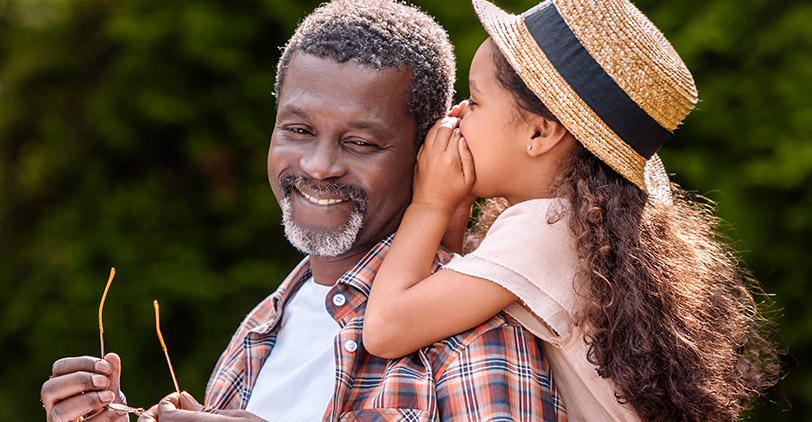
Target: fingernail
{"points": [[100, 381], [103, 366], [107, 396]]}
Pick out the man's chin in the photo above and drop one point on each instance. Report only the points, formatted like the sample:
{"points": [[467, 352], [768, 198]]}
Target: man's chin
{"points": [[321, 242]]}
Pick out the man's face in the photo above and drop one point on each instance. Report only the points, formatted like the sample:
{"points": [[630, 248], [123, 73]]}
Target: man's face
{"points": [[342, 154]]}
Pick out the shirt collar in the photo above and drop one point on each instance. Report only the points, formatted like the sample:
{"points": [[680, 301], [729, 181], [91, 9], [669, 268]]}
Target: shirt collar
{"points": [[360, 276], [363, 272]]}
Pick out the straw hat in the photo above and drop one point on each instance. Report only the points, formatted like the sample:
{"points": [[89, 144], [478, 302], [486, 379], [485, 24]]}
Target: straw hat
{"points": [[608, 75]]}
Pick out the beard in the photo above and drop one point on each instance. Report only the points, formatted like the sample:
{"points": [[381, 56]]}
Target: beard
{"points": [[322, 242]]}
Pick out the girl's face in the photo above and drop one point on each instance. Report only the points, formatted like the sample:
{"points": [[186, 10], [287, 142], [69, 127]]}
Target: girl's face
{"points": [[493, 129]]}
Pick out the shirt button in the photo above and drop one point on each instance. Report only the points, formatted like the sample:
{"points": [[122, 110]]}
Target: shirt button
{"points": [[339, 300], [350, 346]]}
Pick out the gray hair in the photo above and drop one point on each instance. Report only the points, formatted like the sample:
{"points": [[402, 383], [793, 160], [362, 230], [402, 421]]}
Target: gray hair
{"points": [[382, 34]]}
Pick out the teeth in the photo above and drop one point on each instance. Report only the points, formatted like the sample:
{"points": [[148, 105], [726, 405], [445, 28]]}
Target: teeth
{"points": [[323, 201]]}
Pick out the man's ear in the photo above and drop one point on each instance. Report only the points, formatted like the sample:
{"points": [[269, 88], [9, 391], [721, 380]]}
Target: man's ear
{"points": [[546, 134]]}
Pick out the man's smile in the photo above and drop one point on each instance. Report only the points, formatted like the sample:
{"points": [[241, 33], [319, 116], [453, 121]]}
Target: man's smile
{"points": [[322, 201]]}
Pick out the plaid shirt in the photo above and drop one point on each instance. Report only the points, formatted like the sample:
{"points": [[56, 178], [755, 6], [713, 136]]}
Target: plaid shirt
{"points": [[495, 372]]}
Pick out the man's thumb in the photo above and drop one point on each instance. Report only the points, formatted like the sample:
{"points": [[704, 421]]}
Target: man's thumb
{"points": [[187, 402]]}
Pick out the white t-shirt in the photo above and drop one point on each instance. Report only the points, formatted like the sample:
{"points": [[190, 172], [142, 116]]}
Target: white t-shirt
{"points": [[297, 380]]}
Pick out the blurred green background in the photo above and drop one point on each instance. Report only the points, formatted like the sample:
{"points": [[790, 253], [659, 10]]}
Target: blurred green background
{"points": [[133, 134]]}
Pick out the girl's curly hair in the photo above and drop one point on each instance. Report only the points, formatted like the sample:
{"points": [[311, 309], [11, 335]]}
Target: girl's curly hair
{"points": [[668, 311]]}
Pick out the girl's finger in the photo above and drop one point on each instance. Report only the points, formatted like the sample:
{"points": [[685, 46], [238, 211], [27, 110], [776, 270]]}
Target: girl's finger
{"points": [[443, 135], [467, 160], [453, 141], [432, 133], [457, 110]]}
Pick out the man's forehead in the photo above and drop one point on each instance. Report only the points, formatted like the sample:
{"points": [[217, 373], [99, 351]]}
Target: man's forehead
{"points": [[305, 67], [316, 82]]}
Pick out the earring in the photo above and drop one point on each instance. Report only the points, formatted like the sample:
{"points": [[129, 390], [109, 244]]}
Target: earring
{"points": [[530, 147]]}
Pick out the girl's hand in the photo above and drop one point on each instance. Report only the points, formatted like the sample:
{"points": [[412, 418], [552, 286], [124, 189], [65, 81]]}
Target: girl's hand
{"points": [[457, 110], [444, 174]]}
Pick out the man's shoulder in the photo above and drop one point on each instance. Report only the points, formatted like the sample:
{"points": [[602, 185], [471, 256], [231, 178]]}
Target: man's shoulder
{"points": [[500, 337]]}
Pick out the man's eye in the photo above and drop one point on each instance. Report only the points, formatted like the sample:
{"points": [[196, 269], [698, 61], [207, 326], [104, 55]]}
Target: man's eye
{"points": [[298, 130], [360, 144]]}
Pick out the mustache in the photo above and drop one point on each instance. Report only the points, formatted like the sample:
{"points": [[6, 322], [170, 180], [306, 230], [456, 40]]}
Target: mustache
{"points": [[299, 181]]}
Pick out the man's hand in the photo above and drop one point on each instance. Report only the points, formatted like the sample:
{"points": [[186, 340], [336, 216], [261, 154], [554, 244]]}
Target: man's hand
{"points": [[83, 387], [184, 408]]}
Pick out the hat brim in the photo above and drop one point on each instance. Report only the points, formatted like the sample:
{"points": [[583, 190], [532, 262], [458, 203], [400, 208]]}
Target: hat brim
{"points": [[514, 40]]}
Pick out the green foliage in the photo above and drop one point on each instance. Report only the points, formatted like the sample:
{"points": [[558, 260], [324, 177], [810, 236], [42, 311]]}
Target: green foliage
{"points": [[133, 134]]}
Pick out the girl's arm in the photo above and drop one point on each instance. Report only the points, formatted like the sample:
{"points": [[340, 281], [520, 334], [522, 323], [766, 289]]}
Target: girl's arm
{"points": [[408, 307], [454, 237]]}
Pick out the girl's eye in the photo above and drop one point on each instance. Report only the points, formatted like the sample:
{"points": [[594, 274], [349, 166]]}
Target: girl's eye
{"points": [[471, 102]]}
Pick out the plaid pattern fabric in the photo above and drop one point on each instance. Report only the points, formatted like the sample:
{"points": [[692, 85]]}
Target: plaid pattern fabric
{"points": [[495, 372]]}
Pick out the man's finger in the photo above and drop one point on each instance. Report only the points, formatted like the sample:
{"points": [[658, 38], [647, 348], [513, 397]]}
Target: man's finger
{"points": [[115, 373], [108, 415], [151, 415], [83, 363], [188, 402], [214, 416], [168, 404], [145, 417], [65, 386], [70, 409]]}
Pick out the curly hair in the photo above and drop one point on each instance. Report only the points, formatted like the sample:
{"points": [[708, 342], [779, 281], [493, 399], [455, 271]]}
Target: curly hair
{"points": [[382, 34], [669, 313]]}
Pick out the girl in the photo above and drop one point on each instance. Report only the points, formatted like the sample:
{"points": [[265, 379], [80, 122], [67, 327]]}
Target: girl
{"points": [[644, 312]]}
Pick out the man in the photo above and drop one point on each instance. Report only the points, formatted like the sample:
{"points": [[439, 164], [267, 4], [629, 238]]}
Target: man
{"points": [[358, 86]]}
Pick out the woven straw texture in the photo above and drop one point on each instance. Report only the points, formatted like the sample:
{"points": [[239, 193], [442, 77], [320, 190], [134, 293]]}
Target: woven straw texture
{"points": [[633, 53]]}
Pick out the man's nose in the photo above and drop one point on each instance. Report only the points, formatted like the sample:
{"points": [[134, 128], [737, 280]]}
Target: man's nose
{"points": [[323, 160]]}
